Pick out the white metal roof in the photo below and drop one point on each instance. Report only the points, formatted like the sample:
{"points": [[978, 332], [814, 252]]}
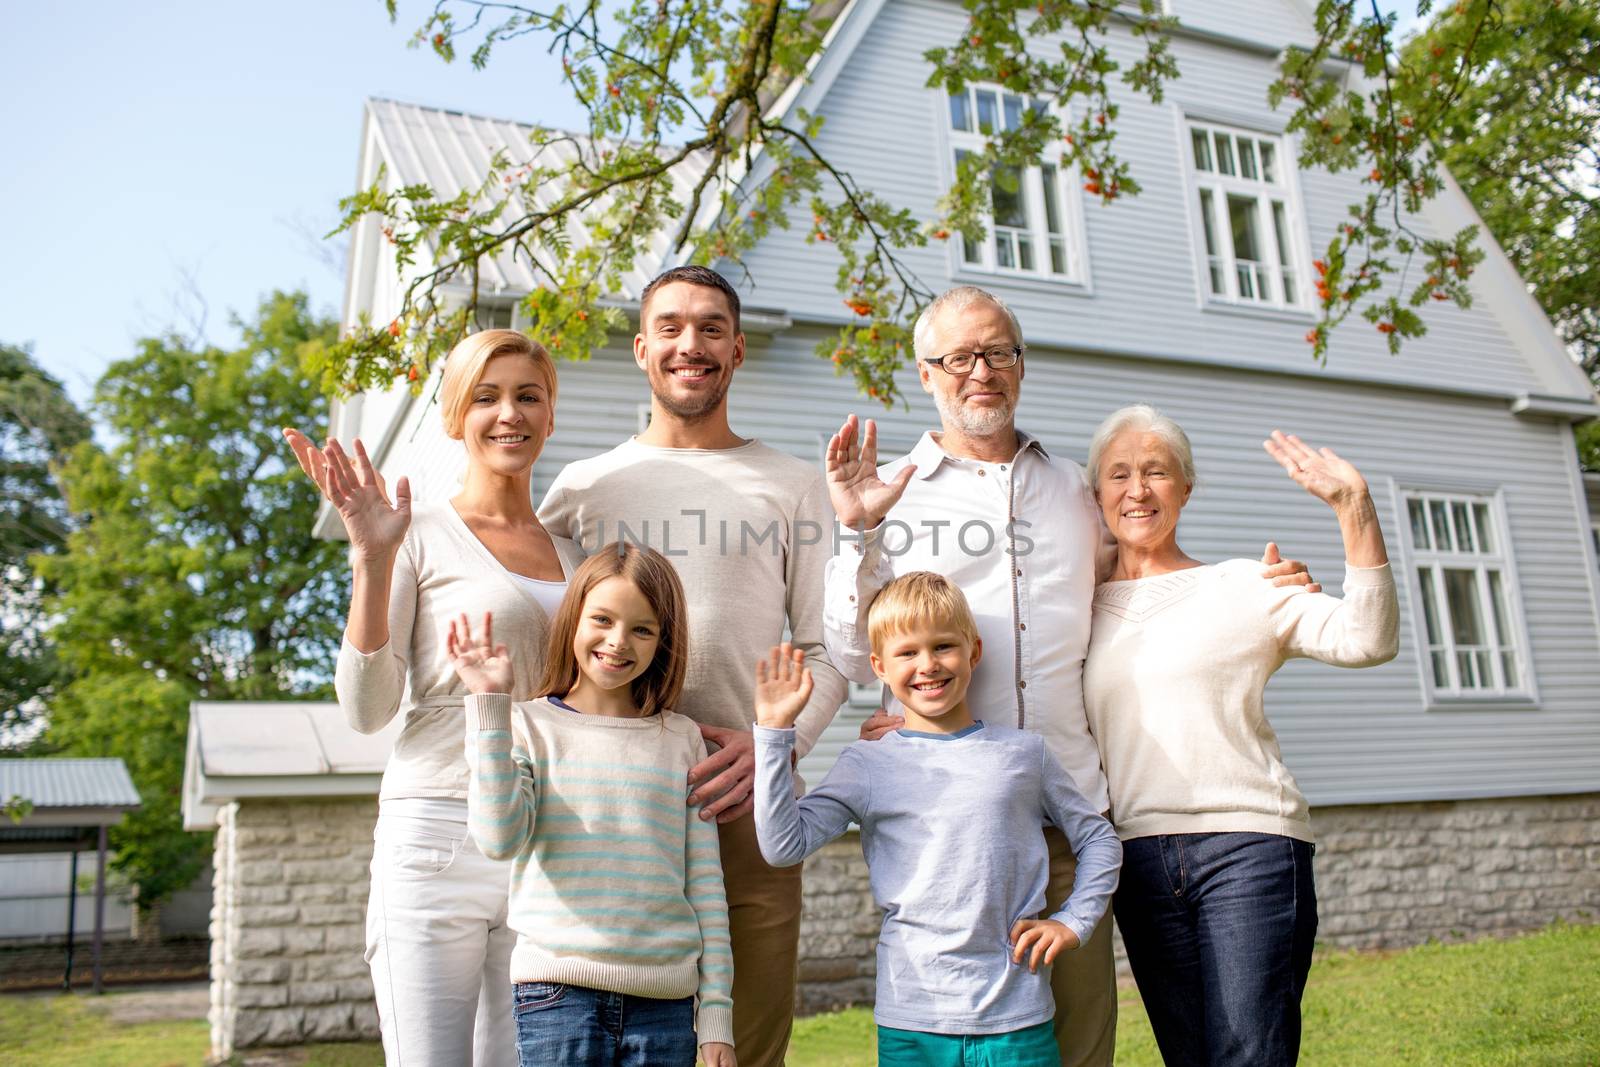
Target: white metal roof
{"points": [[276, 749], [452, 150], [69, 792]]}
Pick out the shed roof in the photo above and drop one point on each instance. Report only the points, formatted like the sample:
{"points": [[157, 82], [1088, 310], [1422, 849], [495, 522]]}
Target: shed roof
{"points": [[69, 783], [240, 749]]}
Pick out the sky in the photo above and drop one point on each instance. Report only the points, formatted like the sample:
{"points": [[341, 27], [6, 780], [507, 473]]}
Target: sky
{"points": [[167, 164]]}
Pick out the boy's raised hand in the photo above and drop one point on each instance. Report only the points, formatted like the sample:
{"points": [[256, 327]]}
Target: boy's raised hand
{"points": [[1045, 937], [717, 1054], [783, 685], [483, 666]]}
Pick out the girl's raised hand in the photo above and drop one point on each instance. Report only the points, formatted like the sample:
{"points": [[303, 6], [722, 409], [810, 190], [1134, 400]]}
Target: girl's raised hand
{"points": [[482, 665], [783, 685], [1319, 471], [376, 527]]}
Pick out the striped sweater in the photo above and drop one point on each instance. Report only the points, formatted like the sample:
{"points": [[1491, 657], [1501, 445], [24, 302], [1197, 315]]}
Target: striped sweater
{"points": [[616, 883]]}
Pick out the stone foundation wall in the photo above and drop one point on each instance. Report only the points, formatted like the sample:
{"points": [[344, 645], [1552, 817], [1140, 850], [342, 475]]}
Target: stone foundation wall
{"points": [[291, 890], [1391, 875], [287, 924]]}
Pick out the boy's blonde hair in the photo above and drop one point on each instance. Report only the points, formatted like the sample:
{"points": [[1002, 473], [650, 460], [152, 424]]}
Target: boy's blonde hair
{"points": [[463, 369], [920, 598]]}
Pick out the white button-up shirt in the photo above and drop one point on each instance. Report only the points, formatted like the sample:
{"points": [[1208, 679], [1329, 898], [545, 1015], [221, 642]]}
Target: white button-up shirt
{"points": [[1021, 539]]}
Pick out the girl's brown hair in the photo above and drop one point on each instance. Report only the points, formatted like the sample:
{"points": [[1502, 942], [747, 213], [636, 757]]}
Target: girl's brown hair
{"points": [[658, 688]]}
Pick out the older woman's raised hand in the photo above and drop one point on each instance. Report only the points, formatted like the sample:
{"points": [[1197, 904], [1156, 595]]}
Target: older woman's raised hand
{"points": [[1319, 471]]}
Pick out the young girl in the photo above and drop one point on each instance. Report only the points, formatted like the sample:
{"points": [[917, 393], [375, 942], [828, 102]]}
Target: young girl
{"points": [[616, 885]]}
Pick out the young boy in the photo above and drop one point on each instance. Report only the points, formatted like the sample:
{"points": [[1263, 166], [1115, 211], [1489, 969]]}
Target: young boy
{"points": [[951, 814]]}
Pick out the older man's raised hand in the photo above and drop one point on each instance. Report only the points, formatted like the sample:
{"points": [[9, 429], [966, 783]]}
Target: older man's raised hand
{"points": [[860, 498]]}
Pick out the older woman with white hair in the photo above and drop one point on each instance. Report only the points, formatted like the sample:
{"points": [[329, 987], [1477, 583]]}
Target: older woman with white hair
{"points": [[1217, 905], [437, 939]]}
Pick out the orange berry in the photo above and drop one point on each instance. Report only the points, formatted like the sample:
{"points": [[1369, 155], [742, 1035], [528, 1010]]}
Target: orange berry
{"points": [[394, 328]]}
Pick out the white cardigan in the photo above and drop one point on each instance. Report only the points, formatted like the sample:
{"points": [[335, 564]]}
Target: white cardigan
{"points": [[1177, 667], [441, 571]]}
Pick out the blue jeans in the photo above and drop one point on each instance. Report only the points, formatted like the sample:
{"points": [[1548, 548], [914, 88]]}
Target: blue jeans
{"points": [[1219, 929], [571, 1026]]}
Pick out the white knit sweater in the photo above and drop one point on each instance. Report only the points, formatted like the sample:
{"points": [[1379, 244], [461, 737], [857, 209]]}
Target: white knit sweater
{"points": [[441, 572], [1177, 667]]}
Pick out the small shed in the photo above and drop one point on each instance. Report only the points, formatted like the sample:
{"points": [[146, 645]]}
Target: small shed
{"points": [[292, 792], [67, 805]]}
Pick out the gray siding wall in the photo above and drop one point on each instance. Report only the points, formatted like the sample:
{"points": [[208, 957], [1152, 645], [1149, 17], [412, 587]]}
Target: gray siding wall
{"points": [[888, 130], [1349, 736]]}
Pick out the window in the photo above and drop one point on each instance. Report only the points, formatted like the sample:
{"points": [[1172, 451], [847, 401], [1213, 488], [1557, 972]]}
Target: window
{"points": [[1249, 232], [1034, 228], [1467, 595]]}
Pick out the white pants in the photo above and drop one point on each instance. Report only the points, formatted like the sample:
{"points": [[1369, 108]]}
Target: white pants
{"points": [[437, 940]]}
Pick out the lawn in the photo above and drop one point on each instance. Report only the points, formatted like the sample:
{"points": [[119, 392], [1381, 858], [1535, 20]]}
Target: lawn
{"points": [[1530, 1002]]}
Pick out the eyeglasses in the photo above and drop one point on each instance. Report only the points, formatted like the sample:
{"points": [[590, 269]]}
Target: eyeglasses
{"points": [[997, 358]]}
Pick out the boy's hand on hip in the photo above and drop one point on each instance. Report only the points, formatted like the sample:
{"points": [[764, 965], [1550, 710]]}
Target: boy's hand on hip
{"points": [[717, 1054], [1041, 941]]}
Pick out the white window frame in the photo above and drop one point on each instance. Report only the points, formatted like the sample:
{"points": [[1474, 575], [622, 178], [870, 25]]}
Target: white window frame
{"points": [[1033, 190], [1505, 630], [1285, 255]]}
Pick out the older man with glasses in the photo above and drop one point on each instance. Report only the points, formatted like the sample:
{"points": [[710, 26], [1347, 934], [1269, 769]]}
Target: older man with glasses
{"points": [[1018, 530]]}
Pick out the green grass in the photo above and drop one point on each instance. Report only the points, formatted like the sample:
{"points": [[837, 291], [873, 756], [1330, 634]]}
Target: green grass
{"points": [[1529, 1002]]}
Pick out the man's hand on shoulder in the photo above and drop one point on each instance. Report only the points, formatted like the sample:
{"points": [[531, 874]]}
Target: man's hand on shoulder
{"points": [[1280, 571], [859, 497]]}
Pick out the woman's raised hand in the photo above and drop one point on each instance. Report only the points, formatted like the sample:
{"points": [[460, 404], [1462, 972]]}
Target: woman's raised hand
{"points": [[312, 461], [376, 527], [1319, 471], [482, 665]]}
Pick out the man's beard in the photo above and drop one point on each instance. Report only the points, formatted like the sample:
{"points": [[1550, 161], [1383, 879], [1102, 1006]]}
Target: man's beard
{"points": [[974, 422], [692, 408]]}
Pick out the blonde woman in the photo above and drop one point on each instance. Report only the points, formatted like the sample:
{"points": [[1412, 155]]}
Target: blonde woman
{"points": [[437, 939]]}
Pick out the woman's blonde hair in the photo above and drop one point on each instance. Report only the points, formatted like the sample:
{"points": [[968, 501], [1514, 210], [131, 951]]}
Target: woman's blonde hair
{"points": [[915, 600], [463, 369], [658, 687]]}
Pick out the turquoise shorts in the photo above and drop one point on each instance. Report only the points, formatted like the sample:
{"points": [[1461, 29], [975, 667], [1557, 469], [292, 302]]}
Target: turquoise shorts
{"points": [[1033, 1046]]}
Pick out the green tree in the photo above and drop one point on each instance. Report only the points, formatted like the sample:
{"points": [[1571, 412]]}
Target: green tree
{"points": [[1523, 139], [679, 95], [38, 425], [192, 573]]}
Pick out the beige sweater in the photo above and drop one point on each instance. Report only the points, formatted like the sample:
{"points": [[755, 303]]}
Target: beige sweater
{"points": [[1173, 687], [749, 531], [441, 571]]}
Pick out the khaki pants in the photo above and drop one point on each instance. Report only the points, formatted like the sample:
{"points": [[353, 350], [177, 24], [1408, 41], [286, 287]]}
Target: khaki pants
{"points": [[764, 924], [1084, 981]]}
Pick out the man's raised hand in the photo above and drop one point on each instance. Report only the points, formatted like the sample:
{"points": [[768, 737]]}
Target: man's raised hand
{"points": [[860, 498]]}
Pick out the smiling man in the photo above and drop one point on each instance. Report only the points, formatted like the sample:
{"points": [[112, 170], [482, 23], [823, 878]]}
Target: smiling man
{"points": [[1019, 532], [746, 526]]}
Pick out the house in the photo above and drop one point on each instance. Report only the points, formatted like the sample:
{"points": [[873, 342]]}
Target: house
{"points": [[1456, 790]]}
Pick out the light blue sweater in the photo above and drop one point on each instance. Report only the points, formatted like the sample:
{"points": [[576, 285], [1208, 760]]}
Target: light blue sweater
{"points": [[951, 826]]}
